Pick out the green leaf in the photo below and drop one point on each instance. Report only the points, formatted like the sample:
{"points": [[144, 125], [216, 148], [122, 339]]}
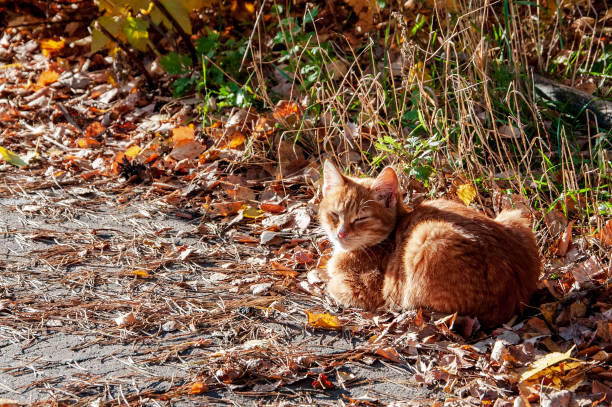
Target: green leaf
{"points": [[136, 32], [182, 85], [12, 158], [176, 64], [98, 40], [112, 24]]}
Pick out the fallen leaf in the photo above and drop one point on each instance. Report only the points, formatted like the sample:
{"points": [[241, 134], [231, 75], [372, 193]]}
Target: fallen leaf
{"points": [[142, 273], [226, 208], [12, 158], [566, 240], [466, 193], [132, 152], [87, 142], [325, 320], [126, 320], [237, 140], [198, 388], [94, 129], [605, 235], [389, 354], [322, 383], [47, 78], [182, 134], [51, 47], [272, 207], [252, 213], [551, 359]]}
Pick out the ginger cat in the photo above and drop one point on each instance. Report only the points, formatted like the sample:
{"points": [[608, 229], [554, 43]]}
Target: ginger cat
{"points": [[442, 255]]}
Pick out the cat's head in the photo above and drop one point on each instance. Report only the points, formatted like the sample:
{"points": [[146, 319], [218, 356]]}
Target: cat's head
{"points": [[358, 212]]}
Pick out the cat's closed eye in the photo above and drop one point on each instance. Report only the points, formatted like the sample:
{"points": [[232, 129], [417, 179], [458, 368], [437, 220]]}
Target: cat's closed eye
{"points": [[361, 219]]}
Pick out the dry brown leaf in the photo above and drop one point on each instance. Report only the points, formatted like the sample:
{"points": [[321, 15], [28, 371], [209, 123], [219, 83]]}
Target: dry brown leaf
{"points": [[605, 235], [389, 354], [272, 207], [565, 240], [94, 129]]}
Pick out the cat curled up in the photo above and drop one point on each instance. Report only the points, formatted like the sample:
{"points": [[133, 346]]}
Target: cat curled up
{"points": [[441, 256]]}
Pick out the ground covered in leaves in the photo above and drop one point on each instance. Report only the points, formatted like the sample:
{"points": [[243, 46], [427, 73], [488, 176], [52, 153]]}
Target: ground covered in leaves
{"points": [[145, 260]]}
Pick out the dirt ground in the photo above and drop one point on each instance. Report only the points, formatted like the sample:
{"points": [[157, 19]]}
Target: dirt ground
{"points": [[67, 256]]}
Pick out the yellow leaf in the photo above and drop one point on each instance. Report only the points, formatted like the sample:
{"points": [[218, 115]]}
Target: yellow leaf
{"points": [[418, 73], [50, 47], [86, 142], [142, 273], [325, 321], [543, 363], [466, 193], [132, 151], [12, 158], [252, 213]]}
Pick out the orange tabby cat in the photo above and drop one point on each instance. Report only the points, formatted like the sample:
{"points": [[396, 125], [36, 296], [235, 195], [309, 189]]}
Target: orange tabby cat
{"points": [[442, 255]]}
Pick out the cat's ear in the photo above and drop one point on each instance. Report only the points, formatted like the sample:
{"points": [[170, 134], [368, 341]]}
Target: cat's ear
{"points": [[331, 177], [385, 188]]}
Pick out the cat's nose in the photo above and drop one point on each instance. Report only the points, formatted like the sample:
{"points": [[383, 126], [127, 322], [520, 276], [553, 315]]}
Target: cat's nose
{"points": [[341, 233]]}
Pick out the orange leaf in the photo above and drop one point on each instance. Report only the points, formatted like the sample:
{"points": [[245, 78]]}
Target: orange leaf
{"points": [[94, 129], [142, 273], [389, 354], [325, 320], [47, 78], [87, 142], [226, 208], [198, 388], [278, 268], [51, 47], [285, 108], [272, 207], [182, 134], [237, 140]]}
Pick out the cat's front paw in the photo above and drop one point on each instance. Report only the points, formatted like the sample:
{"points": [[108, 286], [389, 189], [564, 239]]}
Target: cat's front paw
{"points": [[341, 292]]}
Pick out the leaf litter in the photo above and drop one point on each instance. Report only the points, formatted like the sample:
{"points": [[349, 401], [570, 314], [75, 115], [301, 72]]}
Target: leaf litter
{"points": [[209, 261]]}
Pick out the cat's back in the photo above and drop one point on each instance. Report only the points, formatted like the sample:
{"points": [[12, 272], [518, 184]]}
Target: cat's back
{"points": [[454, 258]]}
